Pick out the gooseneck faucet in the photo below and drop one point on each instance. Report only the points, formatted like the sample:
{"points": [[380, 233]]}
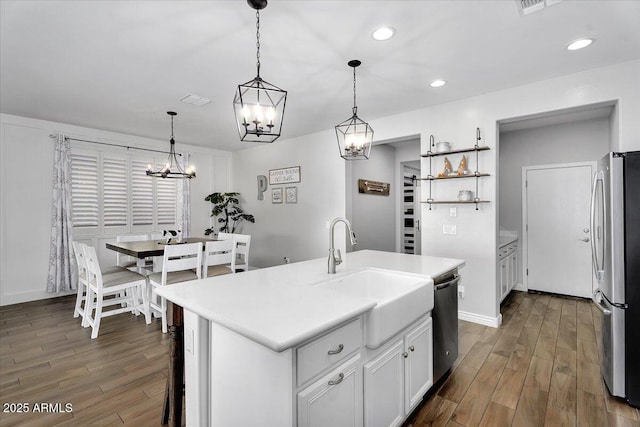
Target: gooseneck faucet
{"points": [[334, 255]]}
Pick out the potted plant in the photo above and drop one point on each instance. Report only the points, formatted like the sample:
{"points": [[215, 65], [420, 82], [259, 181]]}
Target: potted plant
{"points": [[226, 206]]}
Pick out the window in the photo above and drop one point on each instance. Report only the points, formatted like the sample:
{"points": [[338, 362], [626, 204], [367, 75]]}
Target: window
{"points": [[111, 193]]}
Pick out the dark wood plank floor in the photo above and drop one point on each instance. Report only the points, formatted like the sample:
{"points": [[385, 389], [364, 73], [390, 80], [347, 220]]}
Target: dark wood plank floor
{"points": [[539, 368]]}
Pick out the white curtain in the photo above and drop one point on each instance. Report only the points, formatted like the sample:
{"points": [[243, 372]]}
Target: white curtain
{"points": [[62, 266], [184, 198]]}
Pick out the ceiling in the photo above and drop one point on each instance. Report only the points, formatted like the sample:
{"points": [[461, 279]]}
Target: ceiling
{"points": [[119, 66]]}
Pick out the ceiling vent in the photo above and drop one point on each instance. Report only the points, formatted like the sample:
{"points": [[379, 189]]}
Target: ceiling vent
{"points": [[196, 100], [529, 6]]}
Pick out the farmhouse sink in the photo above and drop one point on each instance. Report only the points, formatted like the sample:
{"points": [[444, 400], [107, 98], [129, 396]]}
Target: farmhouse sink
{"points": [[401, 299]]}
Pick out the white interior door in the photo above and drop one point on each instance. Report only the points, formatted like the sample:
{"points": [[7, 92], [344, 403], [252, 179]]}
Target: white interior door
{"points": [[556, 217]]}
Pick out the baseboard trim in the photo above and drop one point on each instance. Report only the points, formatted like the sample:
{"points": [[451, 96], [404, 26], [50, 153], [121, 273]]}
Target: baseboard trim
{"points": [[494, 322], [520, 287], [9, 299]]}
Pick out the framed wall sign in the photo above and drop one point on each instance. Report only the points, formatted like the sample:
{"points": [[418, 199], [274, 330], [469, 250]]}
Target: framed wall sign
{"points": [[276, 195], [284, 175], [291, 194]]}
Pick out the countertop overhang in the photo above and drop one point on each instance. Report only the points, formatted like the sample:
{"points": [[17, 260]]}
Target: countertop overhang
{"points": [[277, 306]]}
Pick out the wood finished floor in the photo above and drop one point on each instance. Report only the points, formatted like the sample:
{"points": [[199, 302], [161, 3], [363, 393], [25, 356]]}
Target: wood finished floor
{"points": [[539, 368]]}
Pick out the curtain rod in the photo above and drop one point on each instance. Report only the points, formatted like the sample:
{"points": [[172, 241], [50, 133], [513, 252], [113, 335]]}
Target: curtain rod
{"points": [[115, 145]]}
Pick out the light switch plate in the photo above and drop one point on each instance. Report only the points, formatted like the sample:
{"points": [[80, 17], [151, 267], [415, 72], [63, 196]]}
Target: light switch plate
{"points": [[448, 229], [453, 212]]}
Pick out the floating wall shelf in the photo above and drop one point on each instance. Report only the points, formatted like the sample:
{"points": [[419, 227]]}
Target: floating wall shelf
{"points": [[477, 175]]}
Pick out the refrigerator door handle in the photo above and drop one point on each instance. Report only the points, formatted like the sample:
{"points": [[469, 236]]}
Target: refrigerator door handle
{"points": [[592, 214], [597, 299]]}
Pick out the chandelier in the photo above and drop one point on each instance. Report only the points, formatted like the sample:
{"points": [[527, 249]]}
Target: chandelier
{"points": [[172, 168], [354, 134], [259, 105]]}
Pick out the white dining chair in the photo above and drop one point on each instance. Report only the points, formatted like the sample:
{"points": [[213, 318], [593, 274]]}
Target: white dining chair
{"points": [[219, 258], [112, 289], [180, 263], [225, 236], [78, 250], [242, 243]]}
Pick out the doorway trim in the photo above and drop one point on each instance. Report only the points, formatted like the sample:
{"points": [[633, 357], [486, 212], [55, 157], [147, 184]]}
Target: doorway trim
{"points": [[525, 234]]}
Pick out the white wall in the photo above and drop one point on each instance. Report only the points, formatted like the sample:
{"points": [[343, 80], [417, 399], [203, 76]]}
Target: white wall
{"points": [[586, 140], [373, 216], [476, 237], [26, 156], [297, 231]]}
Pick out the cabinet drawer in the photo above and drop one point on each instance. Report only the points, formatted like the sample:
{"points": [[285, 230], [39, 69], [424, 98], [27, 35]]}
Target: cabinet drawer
{"points": [[320, 354]]}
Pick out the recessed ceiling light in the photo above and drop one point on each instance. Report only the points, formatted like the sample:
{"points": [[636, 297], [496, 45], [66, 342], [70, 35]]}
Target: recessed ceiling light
{"points": [[383, 33], [579, 44], [437, 83]]}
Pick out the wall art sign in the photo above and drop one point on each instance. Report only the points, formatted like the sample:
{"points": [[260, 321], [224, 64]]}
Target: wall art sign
{"points": [[284, 175], [276, 195], [291, 194]]}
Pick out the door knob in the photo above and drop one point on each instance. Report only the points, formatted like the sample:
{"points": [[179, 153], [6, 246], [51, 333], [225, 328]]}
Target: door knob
{"points": [[586, 239], [586, 230]]}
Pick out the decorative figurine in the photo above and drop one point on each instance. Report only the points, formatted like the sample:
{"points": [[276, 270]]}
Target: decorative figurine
{"points": [[447, 167], [462, 167]]}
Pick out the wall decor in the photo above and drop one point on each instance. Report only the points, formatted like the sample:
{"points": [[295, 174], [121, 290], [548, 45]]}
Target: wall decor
{"points": [[291, 194], [368, 186], [276, 195], [262, 186], [284, 175]]}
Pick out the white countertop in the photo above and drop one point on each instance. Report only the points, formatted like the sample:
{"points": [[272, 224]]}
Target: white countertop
{"points": [[277, 308]]}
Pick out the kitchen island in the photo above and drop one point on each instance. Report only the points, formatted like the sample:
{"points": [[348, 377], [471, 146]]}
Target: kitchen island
{"points": [[256, 342]]}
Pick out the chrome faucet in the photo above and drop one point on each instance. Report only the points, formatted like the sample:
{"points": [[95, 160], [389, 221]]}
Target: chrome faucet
{"points": [[334, 255]]}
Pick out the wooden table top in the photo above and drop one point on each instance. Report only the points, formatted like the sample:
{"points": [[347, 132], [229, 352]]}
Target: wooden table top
{"points": [[149, 248]]}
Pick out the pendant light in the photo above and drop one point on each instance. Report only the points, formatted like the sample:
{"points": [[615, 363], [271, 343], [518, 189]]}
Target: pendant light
{"points": [[259, 105], [172, 168], [354, 134]]}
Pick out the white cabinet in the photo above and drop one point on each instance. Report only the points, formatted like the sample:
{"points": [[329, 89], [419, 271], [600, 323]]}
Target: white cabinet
{"points": [[335, 399], [397, 377], [507, 268]]}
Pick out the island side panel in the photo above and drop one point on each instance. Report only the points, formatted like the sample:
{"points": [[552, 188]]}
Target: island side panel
{"points": [[249, 382], [196, 364]]}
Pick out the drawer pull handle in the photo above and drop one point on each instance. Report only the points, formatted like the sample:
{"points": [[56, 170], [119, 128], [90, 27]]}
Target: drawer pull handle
{"points": [[340, 348], [412, 348], [338, 381]]}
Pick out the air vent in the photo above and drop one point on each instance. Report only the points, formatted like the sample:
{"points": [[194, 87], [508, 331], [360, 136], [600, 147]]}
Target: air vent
{"points": [[196, 100], [529, 6]]}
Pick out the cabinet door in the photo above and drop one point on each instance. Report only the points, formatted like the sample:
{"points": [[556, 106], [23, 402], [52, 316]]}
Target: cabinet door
{"points": [[418, 373], [384, 388], [335, 399], [504, 278], [513, 264]]}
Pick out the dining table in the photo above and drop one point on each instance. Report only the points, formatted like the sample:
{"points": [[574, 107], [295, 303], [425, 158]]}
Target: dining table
{"points": [[174, 391]]}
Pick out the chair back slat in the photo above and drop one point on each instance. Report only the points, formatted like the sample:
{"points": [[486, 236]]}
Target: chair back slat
{"points": [[243, 243], [219, 252], [94, 275], [79, 253], [182, 257]]}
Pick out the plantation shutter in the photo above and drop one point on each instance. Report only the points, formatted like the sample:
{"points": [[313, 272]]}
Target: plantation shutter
{"points": [[141, 194], [166, 201], [84, 190], [114, 192]]}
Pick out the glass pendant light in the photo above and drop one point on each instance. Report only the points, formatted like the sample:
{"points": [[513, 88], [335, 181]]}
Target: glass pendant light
{"points": [[354, 134], [172, 168], [259, 105]]}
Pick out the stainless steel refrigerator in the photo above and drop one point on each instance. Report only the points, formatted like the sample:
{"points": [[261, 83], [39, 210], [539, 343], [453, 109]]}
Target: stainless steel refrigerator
{"points": [[615, 244]]}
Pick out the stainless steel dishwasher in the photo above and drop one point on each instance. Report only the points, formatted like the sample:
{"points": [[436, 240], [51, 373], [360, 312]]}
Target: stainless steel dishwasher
{"points": [[445, 323]]}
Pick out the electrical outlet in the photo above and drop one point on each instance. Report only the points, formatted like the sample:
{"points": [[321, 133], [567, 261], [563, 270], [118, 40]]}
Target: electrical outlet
{"points": [[327, 225], [453, 212], [448, 229], [461, 292]]}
